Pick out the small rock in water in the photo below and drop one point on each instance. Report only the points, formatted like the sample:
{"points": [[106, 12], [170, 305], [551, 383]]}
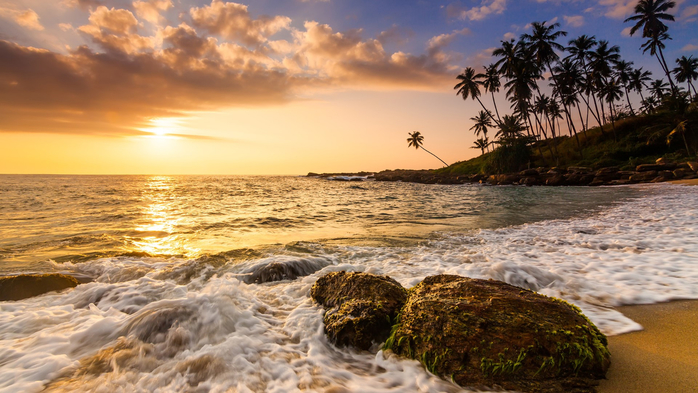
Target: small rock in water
{"points": [[360, 307], [286, 269], [30, 285]]}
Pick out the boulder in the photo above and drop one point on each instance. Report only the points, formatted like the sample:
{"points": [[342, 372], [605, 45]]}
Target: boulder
{"points": [[529, 172], [682, 172], [649, 167], [555, 180], [578, 169], [578, 179], [607, 170], [529, 181], [693, 165], [30, 285], [485, 333], [360, 307], [643, 177]]}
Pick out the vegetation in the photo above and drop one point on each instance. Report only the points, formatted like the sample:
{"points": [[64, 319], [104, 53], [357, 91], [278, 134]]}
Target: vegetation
{"points": [[581, 114], [416, 140]]}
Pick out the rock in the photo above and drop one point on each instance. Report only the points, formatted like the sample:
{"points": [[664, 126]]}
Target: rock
{"points": [[649, 167], [625, 175], [693, 165], [682, 172], [620, 182], [30, 285], [578, 179], [607, 170], [555, 180], [663, 176], [643, 177], [529, 181], [529, 172], [283, 268], [581, 169], [481, 333], [661, 161], [360, 307]]}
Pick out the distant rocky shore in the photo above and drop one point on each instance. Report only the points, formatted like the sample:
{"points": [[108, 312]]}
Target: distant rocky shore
{"points": [[572, 176]]}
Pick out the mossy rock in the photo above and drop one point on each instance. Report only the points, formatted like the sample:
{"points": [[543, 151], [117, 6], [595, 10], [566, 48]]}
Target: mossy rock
{"points": [[30, 285], [361, 307], [486, 333]]}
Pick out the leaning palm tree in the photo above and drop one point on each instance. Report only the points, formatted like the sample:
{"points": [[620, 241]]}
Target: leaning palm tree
{"points": [[416, 140], [481, 144], [469, 86], [649, 16], [687, 71]]}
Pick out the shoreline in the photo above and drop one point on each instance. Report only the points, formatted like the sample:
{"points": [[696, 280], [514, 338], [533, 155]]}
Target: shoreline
{"points": [[571, 176], [663, 357]]}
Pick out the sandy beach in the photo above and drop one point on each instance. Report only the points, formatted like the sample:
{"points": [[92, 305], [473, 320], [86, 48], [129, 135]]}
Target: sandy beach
{"points": [[688, 182], [661, 358]]}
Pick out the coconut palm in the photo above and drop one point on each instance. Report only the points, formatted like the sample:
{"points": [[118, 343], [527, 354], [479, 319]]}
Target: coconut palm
{"points": [[649, 16], [612, 92], [687, 71], [481, 144], [658, 89], [416, 140], [623, 71], [510, 128], [639, 80], [650, 104], [482, 123], [469, 87], [492, 83]]}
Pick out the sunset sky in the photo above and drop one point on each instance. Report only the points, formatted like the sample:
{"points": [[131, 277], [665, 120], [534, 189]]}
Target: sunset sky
{"points": [[264, 87]]}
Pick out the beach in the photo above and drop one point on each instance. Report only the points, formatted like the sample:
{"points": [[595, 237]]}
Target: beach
{"points": [[663, 357]]}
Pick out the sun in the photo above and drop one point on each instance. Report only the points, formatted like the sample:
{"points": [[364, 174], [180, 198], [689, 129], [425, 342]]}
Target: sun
{"points": [[164, 126]]}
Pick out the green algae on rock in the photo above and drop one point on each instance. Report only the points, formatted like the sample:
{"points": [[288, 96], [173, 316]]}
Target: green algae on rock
{"points": [[30, 285], [486, 333], [361, 307]]}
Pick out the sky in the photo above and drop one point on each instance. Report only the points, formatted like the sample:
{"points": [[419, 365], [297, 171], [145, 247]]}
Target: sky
{"points": [[265, 87]]}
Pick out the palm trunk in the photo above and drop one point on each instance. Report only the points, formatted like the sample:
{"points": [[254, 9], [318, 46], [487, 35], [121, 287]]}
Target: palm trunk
{"points": [[627, 97], [488, 112], [666, 69], [613, 122], [445, 164], [495, 107]]}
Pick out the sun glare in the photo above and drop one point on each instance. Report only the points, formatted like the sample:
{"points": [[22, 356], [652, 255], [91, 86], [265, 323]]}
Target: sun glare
{"points": [[164, 126]]}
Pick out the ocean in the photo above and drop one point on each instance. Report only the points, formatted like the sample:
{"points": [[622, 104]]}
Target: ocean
{"points": [[172, 299]]}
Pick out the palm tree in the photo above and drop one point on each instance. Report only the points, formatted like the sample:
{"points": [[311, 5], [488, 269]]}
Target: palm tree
{"points": [[687, 71], [639, 79], [623, 74], [510, 128], [612, 93], [481, 144], [416, 140], [658, 89], [491, 83], [649, 15], [482, 123], [469, 86], [650, 104]]}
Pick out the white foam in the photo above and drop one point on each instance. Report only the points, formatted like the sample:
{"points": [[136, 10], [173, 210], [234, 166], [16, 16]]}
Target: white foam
{"points": [[216, 333]]}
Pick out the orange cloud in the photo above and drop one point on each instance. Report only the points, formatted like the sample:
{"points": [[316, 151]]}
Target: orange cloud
{"points": [[225, 58]]}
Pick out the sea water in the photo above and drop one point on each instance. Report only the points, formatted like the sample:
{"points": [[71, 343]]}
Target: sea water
{"points": [[171, 301]]}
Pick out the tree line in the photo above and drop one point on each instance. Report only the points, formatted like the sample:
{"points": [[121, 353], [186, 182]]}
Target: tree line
{"points": [[588, 80]]}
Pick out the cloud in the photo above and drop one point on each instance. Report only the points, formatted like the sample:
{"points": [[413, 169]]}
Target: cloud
{"points": [[487, 8], [509, 36], [690, 48], [222, 58], [25, 18], [151, 10], [626, 31], [574, 20], [689, 14], [233, 21]]}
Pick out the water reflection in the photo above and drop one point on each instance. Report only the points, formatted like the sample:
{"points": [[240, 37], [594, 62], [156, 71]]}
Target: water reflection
{"points": [[157, 228]]}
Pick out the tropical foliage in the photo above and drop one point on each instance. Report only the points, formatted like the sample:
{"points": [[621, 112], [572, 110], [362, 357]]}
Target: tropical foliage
{"points": [[556, 91]]}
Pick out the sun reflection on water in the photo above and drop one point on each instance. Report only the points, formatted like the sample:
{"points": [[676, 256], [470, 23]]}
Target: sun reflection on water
{"points": [[160, 219]]}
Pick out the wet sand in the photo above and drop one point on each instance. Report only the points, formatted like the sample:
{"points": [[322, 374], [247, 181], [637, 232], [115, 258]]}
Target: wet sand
{"points": [[661, 358], [689, 182]]}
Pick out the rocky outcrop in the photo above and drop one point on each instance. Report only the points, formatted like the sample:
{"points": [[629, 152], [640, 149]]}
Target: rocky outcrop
{"points": [[477, 333], [572, 176], [30, 285], [360, 307]]}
